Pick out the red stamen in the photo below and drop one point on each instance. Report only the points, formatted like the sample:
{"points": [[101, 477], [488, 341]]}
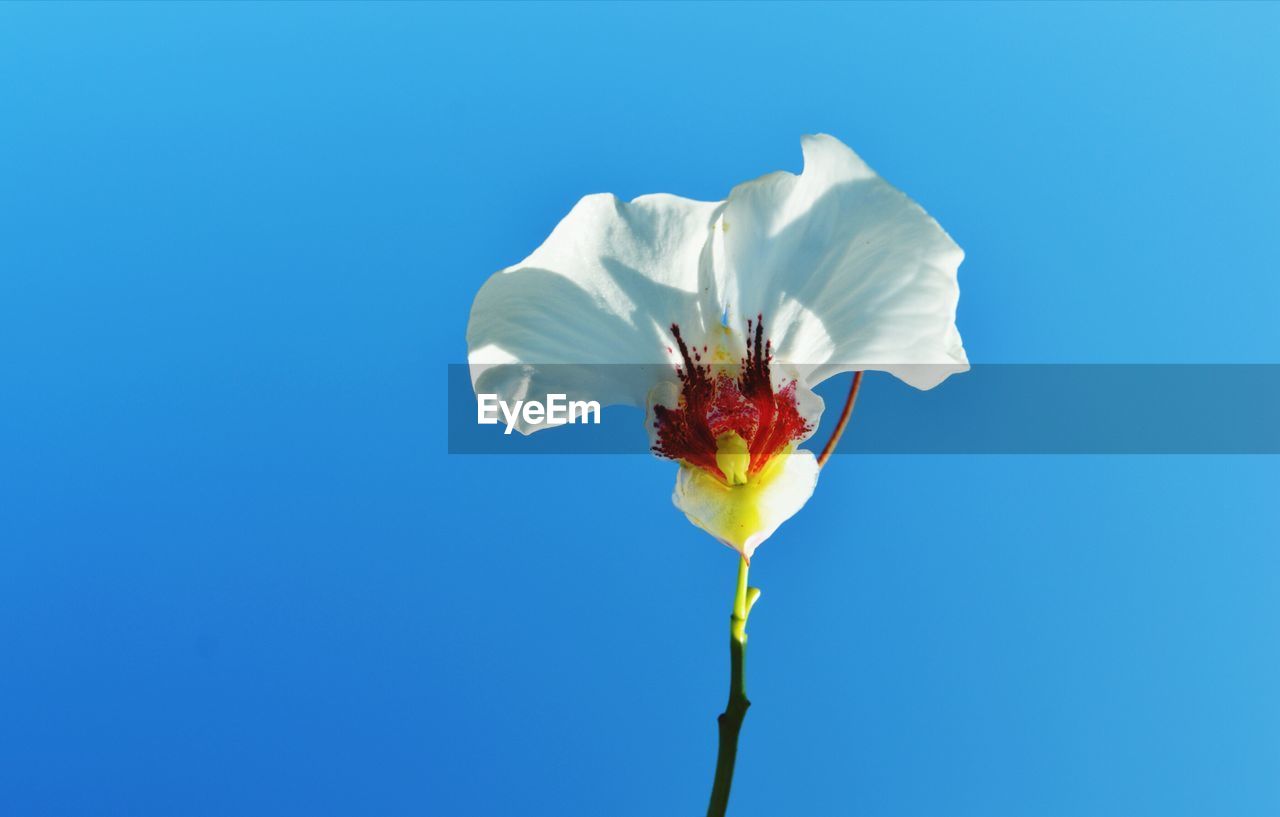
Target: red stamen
{"points": [[713, 405]]}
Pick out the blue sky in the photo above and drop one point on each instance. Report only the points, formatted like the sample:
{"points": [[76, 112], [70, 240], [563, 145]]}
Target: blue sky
{"points": [[239, 573]]}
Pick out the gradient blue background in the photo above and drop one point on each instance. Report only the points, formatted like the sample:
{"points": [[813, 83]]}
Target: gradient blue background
{"points": [[239, 575]]}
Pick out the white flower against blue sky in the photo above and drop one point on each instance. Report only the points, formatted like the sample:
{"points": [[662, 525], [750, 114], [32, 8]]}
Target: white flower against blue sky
{"points": [[741, 306]]}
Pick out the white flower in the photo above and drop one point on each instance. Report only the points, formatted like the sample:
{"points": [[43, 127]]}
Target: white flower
{"points": [[740, 306]]}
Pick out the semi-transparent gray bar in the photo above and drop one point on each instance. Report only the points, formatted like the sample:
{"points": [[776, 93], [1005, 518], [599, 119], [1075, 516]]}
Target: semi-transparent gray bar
{"points": [[991, 409]]}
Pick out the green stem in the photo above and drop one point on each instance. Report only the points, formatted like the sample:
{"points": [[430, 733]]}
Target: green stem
{"points": [[730, 721]]}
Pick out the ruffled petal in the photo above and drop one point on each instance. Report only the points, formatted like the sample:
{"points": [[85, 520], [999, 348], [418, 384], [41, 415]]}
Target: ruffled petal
{"points": [[743, 516], [594, 300], [848, 272]]}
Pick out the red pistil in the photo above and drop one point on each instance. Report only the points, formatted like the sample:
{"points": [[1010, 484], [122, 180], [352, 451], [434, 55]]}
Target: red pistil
{"points": [[712, 405]]}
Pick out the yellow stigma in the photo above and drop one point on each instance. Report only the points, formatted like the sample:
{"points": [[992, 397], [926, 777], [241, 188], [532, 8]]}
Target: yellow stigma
{"points": [[733, 457]]}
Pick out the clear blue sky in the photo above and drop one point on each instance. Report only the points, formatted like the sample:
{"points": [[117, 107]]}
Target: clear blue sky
{"points": [[239, 575]]}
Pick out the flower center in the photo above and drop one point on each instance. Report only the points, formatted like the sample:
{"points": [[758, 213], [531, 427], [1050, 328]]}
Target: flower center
{"points": [[729, 423]]}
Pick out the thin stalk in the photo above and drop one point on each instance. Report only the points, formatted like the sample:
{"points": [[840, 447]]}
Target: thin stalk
{"points": [[730, 721], [830, 447]]}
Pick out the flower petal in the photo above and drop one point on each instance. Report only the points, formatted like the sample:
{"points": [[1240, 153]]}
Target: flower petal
{"points": [[743, 516], [602, 289], [849, 272]]}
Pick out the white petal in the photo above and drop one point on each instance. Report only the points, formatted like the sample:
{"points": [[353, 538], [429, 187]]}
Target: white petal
{"points": [[602, 289], [848, 272], [742, 517]]}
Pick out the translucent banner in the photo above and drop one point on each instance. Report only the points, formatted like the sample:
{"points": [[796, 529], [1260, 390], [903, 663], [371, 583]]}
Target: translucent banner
{"points": [[991, 409]]}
